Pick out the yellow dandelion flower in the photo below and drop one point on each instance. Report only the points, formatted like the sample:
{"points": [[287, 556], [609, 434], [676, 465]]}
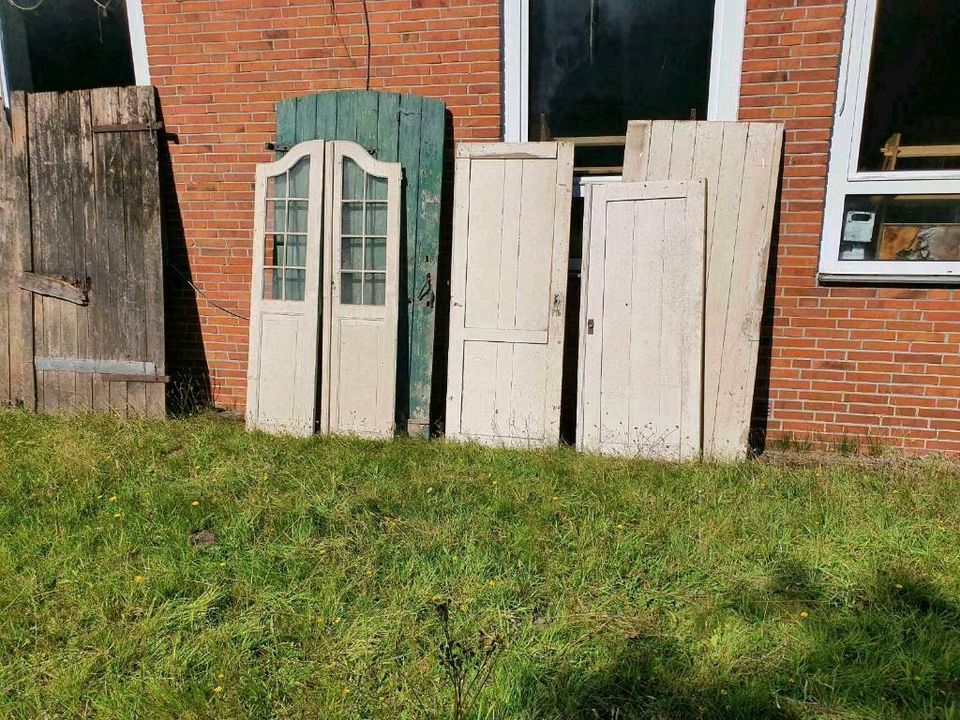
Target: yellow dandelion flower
{"points": [[336, 620], [556, 497], [898, 586], [346, 691], [429, 490], [218, 689], [113, 498], [116, 515], [369, 573], [219, 676], [619, 527], [491, 583], [464, 607], [223, 564], [195, 503], [138, 578], [455, 558], [804, 614]]}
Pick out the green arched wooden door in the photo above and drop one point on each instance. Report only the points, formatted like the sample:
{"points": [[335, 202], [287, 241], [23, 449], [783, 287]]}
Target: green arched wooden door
{"points": [[408, 129]]}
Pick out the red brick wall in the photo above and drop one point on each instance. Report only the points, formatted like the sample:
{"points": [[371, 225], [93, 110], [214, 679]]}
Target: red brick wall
{"points": [[879, 365], [874, 365], [219, 68]]}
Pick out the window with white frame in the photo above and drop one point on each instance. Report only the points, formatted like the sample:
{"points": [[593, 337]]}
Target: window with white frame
{"points": [[583, 68], [893, 190], [57, 45]]}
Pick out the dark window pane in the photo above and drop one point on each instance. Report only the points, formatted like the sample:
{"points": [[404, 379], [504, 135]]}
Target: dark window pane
{"points": [[594, 64], [901, 228], [912, 88], [66, 45]]}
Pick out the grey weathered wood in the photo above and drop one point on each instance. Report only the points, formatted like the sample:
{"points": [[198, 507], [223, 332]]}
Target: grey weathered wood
{"points": [[741, 163], [53, 287], [90, 219], [91, 365]]}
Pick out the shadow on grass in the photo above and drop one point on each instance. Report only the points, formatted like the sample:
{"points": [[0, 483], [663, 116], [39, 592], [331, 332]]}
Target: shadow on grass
{"points": [[890, 649]]}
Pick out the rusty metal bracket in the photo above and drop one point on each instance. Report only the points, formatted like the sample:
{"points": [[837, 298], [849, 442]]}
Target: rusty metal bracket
{"points": [[129, 127]]}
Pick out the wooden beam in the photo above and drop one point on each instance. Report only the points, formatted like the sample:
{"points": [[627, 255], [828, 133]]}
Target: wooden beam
{"points": [[55, 287], [126, 377]]}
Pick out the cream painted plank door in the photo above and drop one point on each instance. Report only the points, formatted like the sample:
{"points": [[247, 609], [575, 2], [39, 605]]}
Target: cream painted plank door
{"points": [[361, 278], [741, 163], [511, 239], [284, 307], [641, 346]]}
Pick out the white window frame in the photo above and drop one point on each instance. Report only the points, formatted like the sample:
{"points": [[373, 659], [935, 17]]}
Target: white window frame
{"points": [[843, 177], [138, 50], [725, 65]]}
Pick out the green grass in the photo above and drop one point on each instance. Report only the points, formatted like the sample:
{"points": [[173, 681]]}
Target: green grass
{"points": [[621, 589]]}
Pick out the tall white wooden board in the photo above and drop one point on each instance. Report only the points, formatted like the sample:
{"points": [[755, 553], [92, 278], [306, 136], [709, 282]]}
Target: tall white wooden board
{"points": [[508, 292], [741, 163], [641, 347], [284, 307], [361, 274]]}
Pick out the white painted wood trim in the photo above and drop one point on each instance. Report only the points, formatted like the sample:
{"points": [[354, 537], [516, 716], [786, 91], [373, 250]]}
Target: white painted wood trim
{"points": [[726, 65], [726, 62], [138, 42], [844, 179], [4, 87]]}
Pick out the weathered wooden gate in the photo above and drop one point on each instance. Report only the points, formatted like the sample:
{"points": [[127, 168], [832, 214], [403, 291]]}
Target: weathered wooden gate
{"points": [[408, 129], [82, 315]]}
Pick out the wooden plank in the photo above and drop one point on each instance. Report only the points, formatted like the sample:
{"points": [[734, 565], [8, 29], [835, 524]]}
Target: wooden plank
{"points": [[427, 252], [367, 110], [636, 159], [739, 229], [151, 233], [388, 127], [48, 217], [326, 128], [347, 115], [287, 122], [8, 264], [508, 151], [84, 222], [94, 365], [408, 153], [133, 306], [54, 287], [22, 318], [109, 252], [306, 119]]}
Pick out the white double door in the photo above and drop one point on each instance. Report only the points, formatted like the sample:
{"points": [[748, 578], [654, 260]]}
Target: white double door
{"points": [[327, 232]]}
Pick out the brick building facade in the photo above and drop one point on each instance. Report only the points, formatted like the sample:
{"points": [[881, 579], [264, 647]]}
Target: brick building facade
{"points": [[867, 363]]}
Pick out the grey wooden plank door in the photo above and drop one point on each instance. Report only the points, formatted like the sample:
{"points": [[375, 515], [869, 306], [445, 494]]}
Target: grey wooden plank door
{"points": [[508, 292], [361, 292], [284, 318], [741, 163], [641, 339], [85, 313]]}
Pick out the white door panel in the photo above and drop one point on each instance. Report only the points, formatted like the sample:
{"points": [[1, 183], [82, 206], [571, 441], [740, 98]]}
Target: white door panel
{"points": [[509, 273]]}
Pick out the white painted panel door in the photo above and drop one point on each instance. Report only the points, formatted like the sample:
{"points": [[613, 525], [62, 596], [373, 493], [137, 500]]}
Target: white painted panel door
{"points": [[361, 278], [741, 163], [284, 307], [512, 205], [641, 347]]}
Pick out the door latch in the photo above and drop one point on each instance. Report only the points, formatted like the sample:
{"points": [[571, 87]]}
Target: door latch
{"points": [[556, 304], [590, 326]]}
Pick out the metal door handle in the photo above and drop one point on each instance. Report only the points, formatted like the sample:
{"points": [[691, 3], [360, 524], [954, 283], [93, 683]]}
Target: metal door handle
{"points": [[590, 327]]}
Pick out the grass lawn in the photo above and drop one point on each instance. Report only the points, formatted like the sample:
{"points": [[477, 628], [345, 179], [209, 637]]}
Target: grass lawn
{"points": [[619, 589]]}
